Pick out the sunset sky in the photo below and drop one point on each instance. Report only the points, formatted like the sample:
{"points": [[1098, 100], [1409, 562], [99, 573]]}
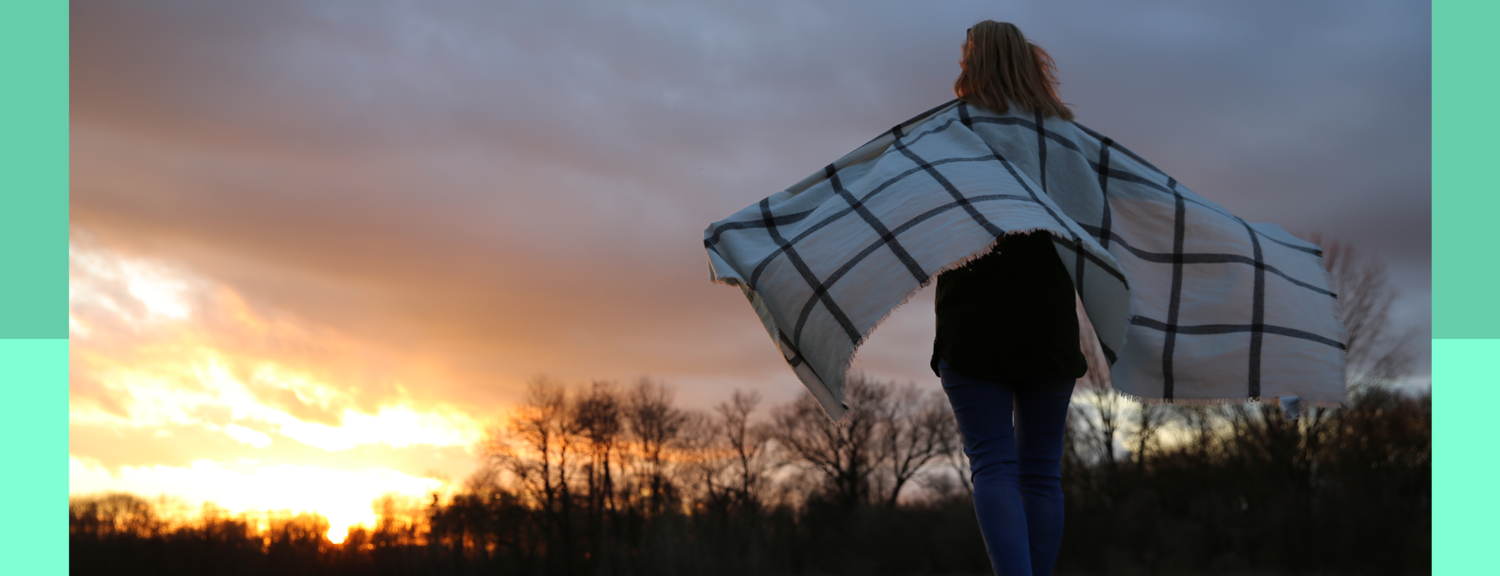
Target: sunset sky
{"points": [[316, 246]]}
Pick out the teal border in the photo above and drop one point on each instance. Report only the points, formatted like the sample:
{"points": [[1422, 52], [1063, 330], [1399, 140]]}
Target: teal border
{"points": [[1464, 198], [1465, 393], [34, 423], [34, 290], [1464, 309], [34, 169]]}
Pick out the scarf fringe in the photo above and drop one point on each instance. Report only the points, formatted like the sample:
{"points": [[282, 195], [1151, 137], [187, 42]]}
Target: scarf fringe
{"points": [[1270, 400]]}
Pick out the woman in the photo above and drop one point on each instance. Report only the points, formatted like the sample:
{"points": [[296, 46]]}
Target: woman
{"points": [[1007, 336]]}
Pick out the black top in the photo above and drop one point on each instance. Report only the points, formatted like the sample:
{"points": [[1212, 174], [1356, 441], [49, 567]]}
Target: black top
{"points": [[1009, 314]]}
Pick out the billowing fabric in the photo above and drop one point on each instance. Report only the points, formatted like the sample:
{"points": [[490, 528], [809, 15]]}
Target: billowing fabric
{"points": [[1191, 304]]}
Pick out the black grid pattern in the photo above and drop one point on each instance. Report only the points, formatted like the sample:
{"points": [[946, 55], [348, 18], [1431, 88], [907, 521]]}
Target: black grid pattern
{"points": [[881, 210]]}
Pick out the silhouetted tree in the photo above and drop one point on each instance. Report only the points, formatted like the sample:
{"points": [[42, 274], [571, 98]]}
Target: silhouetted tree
{"points": [[912, 429], [653, 423], [536, 450], [598, 418], [842, 455], [746, 442], [1146, 429], [1365, 295]]}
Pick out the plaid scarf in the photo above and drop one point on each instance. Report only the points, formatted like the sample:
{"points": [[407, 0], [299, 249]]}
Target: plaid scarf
{"points": [[1190, 304]]}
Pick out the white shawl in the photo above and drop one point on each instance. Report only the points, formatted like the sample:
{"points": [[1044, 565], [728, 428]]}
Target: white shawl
{"points": [[1191, 304]]}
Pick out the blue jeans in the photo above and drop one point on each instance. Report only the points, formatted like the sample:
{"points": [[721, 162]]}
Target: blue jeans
{"points": [[1017, 470]]}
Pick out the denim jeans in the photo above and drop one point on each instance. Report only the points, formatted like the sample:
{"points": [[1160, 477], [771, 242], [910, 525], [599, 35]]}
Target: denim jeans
{"points": [[1017, 469]]}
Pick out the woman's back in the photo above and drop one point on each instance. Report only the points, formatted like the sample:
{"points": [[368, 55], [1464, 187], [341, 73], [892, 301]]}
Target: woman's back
{"points": [[1009, 313]]}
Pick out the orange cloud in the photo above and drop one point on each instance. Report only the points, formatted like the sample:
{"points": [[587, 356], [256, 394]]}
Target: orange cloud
{"points": [[181, 386]]}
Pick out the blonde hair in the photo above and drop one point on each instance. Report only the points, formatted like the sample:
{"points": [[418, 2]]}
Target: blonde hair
{"points": [[998, 64]]}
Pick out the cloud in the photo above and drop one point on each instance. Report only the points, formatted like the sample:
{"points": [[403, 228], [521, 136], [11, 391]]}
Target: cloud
{"points": [[218, 378], [247, 436]]}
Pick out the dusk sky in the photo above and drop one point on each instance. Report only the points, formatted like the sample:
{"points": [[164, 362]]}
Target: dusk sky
{"points": [[315, 246]]}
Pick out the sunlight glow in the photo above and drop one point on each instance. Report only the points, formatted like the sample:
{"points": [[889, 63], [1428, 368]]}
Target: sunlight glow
{"points": [[185, 362], [344, 497], [174, 369], [161, 291], [247, 436], [397, 427]]}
